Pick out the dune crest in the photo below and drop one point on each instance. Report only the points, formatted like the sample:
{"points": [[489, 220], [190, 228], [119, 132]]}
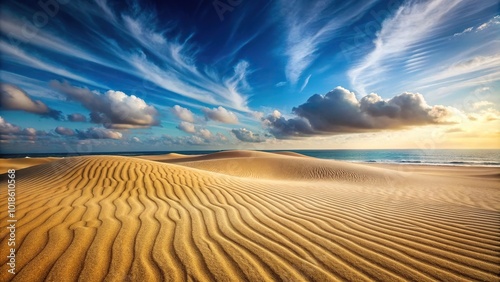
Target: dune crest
{"points": [[131, 219]]}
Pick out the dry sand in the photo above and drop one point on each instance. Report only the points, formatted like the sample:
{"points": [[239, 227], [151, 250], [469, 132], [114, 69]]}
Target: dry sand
{"points": [[236, 216]]}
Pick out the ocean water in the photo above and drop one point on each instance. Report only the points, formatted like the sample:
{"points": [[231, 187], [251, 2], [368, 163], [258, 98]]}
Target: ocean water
{"points": [[416, 157]]}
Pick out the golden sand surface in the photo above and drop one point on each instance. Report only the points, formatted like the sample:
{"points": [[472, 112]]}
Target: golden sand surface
{"points": [[6, 164], [250, 216]]}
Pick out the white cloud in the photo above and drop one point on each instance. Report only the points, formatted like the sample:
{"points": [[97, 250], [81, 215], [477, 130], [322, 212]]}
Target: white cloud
{"points": [[220, 114], [422, 19], [494, 21], [485, 115], [195, 140], [205, 133], [17, 55], [246, 135], [482, 104], [191, 83], [7, 128], [467, 30], [113, 109], [308, 26], [478, 70], [257, 115], [306, 81], [171, 62], [186, 127], [183, 113], [178, 71], [10, 131], [98, 133], [18, 31]]}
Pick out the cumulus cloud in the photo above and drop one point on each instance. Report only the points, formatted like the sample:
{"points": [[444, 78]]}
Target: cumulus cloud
{"points": [[220, 114], [246, 135], [195, 140], [339, 111], [77, 117], [15, 99], [201, 137], [182, 140], [186, 127], [113, 109], [482, 104], [220, 137], [10, 131], [98, 133], [281, 127], [64, 131], [485, 115], [257, 115], [205, 134], [8, 128], [183, 113]]}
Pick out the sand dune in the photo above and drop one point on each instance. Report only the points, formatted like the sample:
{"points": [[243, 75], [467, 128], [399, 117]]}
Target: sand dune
{"points": [[7, 164], [250, 216]]}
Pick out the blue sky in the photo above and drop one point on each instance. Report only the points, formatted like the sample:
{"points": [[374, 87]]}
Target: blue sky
{"points": [[197, 75]]}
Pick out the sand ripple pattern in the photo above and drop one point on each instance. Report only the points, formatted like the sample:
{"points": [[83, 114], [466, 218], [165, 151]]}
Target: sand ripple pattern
{"points": [[126, 219]]}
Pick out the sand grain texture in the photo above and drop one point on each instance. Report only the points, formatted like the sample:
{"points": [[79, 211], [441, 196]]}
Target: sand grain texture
{"points": [[251, 216]]}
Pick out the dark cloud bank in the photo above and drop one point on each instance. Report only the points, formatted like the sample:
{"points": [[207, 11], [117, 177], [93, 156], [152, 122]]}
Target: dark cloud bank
{"points": [[339, 111]]}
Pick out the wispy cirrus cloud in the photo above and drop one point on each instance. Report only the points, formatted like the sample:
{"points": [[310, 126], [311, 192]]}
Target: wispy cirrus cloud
{"points": [[141, 45], [19, 34], [306, 81], [17, 55], [171, 62], [311, 24], [492, 22], [433, 54], [424, 19], [467, 69]]}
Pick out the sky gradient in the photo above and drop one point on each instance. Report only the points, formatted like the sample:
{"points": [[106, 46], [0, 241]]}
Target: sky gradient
{"points": [[97, 76]]}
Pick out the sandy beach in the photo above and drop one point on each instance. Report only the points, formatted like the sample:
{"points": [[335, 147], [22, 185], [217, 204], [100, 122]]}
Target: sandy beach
{"points": [[249, 216]]}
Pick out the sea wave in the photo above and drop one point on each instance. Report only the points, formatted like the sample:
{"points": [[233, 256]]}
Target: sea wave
{"points": [[449, 163]]}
